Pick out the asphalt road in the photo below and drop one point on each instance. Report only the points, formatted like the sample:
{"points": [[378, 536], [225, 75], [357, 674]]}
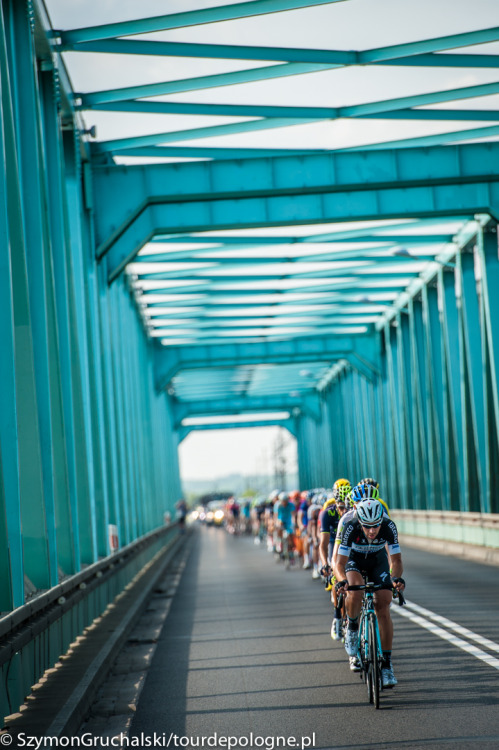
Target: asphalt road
{"points": [[246, 653]]}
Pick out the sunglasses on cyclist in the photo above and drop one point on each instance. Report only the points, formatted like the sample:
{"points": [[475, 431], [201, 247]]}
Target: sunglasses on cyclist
{"points": [[372, 526]]}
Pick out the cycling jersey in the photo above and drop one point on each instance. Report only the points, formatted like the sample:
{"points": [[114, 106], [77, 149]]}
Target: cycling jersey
{"points": [[355, 544], [285, 515], [303, 507], [329, 519]]}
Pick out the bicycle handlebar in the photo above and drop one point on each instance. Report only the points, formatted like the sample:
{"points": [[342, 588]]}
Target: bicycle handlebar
{"points": [[371, 587]]}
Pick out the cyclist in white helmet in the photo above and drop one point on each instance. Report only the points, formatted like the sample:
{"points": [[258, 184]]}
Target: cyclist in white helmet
{"points": [[363, 551]]}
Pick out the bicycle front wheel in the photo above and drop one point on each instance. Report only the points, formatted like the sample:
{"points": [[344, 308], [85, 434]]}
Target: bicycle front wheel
{"points": [[374, 663]]}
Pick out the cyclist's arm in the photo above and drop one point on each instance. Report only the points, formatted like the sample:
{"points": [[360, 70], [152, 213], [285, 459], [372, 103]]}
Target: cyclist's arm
{"points": [[340, 573], [397, 569], [324, 546]]}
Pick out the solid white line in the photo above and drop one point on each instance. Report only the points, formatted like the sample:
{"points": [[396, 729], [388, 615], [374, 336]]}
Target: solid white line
{"points": [[485, 642], [453, 639]]}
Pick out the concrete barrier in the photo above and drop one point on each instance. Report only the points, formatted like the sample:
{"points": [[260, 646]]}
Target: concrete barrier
{"points": [[472, 536]]}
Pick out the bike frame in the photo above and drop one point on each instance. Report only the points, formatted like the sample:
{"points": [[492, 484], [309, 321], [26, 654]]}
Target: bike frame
{"points": [[369, 643]]}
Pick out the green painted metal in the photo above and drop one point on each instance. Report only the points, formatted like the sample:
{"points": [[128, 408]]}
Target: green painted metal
{"points": [[402, 354], [475, 367], [487, 253], [288, 54], [433, 402], [188, 18]]}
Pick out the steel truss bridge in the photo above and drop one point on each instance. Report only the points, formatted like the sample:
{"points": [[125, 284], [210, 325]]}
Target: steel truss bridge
{"points": [[350, 288]]}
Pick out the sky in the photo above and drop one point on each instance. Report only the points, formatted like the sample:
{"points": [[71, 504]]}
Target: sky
{"points": [[353, 24]]}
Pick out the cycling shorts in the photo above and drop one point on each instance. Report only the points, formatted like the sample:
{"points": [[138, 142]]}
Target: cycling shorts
{"points": [[376, 567]]}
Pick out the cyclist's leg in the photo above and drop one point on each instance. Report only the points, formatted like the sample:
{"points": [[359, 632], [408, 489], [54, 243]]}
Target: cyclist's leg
{"points": [[382, 602], [353, 606]]}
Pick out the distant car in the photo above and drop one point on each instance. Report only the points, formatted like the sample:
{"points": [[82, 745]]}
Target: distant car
{"points": [[215, 513]]}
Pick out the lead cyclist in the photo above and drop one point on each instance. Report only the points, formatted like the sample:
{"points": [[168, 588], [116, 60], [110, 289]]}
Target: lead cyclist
{"points": [[363, 551]]}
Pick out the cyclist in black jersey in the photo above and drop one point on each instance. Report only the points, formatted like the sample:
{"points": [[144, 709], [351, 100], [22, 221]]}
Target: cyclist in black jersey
{"points": [[363, 551]]}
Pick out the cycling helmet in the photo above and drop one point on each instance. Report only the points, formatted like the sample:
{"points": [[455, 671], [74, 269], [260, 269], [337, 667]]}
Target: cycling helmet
{"points": [[283, 496], [369, 512], [340, 483], [342, 491], [371, 481], [364, 492], [274, 495]]}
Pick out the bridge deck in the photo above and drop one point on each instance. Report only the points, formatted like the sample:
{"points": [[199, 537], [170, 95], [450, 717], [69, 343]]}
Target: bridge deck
{"points": [[245, 651]]}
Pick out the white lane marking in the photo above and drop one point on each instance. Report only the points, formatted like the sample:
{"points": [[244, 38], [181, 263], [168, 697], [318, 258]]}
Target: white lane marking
{"points": [[453, 639], [485, 642]]}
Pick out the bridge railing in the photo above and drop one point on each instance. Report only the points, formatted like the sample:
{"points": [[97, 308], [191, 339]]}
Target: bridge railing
{"points": [[471, 535], [34, 636]]}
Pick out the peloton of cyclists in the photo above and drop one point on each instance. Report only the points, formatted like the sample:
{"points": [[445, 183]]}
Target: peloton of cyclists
{"points": [[330, 517]]}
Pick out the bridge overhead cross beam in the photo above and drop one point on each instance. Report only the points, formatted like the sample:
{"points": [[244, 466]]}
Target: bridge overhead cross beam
{"points": [[361, 351], [365, 185]]}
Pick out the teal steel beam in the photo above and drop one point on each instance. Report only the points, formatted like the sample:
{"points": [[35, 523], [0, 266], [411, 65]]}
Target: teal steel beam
{"points": [[214, 264], [233, 405], [210, 131], [114, 476], [420, 394], [487, 255], [88, 100], [216, 51], [31, 490], [427, 171], [454, 407], [87, 524], [11, 553], [287, 424], [64, 459], [315, 348], [346, 235], [218, 153], [281, 54], [479, 498], [187, 18], [436, 139], [358, 110], [434, 396], [393, 427], [121, 250], [262, 110], [40, 280], [96, 379]]}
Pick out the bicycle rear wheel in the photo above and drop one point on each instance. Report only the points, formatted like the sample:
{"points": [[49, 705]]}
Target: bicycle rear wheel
{"points": [[374, 663]]}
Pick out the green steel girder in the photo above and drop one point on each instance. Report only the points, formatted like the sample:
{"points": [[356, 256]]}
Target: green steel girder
{"points": [[371, 185], [290, 54], [487, 249], [450, 330], [287, 424], [433, 398], [376, 109], [243, 405], [421, 427], [475, 362], [11, 554], [24, 507], [280, 111], [361, 349], [190, 18]]}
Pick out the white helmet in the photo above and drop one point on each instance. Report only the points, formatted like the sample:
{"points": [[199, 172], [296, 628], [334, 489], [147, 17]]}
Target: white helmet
{"points": [[369, 512]]}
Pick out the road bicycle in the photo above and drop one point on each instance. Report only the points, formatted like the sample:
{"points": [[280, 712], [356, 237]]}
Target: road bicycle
{"points": [[369, 644], [285, 550]]}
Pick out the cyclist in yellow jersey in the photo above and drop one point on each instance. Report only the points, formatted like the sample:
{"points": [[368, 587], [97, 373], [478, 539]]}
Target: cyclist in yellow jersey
{"points": [[332, 512]]}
